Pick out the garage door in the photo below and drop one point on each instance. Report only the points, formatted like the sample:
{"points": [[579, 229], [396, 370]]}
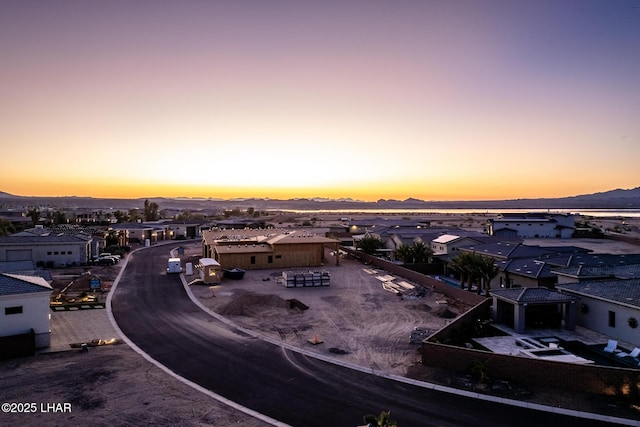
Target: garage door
{"points": [[19, 255]]}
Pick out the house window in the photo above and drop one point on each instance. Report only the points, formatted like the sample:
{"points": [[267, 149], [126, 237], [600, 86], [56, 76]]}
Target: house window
{"points": [[278, 256], [270, 259], [612, 319], [12, 310], [55, 253], [49, 253], [253, 259]]}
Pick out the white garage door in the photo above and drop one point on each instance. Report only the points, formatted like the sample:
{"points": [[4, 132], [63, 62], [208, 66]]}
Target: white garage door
{"points": [[19, 255]]}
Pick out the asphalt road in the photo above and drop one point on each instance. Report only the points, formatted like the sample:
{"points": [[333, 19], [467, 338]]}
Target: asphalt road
{"points": [[154, 311]]}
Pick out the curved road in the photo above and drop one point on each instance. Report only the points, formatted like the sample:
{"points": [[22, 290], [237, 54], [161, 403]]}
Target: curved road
{"points": [[154, 311]]}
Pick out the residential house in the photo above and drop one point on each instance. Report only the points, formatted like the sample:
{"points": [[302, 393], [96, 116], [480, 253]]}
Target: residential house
{"points": [[17, 218], [533, 308], [138, 232], [46, 249], [584, 273], [260, 249], [523, 265], [524, 273], [239, 223], [449, 243], [24, 307], [383, 225], [611, 307], [182, 229], [532, 225]]}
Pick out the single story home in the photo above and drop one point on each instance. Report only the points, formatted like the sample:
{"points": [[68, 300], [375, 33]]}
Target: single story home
{"points": [[24, 309], [611, 307], [270, 248], [47, 249]]}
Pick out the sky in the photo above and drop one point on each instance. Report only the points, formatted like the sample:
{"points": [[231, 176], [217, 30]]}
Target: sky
{"points": [[362, 99]]}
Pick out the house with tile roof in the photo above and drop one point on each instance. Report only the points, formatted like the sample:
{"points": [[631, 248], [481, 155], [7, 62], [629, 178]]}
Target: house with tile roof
{"points": [[583, 273], [24, 307], [524, 273], [525, 308], [523, 265], [611, 307]]}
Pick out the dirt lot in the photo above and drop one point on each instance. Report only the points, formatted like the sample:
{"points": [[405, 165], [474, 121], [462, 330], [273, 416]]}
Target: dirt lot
{"points": [[355, 318]]}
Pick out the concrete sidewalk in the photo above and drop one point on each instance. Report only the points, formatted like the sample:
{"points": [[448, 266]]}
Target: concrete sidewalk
{"points": [[79, 326]]}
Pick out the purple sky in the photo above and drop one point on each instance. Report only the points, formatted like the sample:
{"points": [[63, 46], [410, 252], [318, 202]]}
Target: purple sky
{"points": [[364, 99]]}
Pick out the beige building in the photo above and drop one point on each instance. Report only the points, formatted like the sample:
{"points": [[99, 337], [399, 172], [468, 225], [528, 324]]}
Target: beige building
{"points": [[270, 248]]}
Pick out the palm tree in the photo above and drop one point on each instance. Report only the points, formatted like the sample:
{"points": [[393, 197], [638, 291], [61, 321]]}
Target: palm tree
{"points": [[473, 262], [421, 252], [369, 245], [489, 271], [403, 253], [458, 265], [467, 265]]}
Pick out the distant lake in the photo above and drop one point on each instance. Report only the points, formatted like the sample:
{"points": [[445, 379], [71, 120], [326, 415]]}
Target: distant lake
{"points": [[629, 213]]}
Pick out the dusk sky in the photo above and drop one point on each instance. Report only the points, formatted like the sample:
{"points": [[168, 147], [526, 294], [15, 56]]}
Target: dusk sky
{"points": [[437, 100]]}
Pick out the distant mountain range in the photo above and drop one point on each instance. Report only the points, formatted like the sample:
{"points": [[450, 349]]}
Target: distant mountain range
{"points": [[614, 199]]}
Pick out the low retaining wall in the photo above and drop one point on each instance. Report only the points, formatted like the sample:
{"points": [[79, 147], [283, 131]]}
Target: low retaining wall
{"points": [[450, 291], [464, 324], [525, 370]]}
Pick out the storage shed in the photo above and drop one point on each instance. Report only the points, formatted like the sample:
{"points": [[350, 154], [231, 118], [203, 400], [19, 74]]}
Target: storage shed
{"points": [[210, 271]]}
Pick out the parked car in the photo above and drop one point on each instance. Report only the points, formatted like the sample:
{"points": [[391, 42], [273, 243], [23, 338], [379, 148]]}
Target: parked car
{"points": [[108, 254], [105, 261]]}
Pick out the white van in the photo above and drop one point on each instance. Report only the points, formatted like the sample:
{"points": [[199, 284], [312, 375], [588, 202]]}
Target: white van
{"points": [[174, 266]]}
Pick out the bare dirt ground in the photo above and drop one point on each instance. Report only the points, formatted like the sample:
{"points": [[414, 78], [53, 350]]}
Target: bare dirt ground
{"points": [[355, 318], [108, 386]]}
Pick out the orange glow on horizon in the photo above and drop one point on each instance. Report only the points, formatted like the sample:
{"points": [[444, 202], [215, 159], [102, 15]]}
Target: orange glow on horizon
{"points": [[373, 193]]}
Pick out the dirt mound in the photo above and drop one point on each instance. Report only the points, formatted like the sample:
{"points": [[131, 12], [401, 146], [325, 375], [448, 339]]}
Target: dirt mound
{"points": [[445, 313], [249, 304]]}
